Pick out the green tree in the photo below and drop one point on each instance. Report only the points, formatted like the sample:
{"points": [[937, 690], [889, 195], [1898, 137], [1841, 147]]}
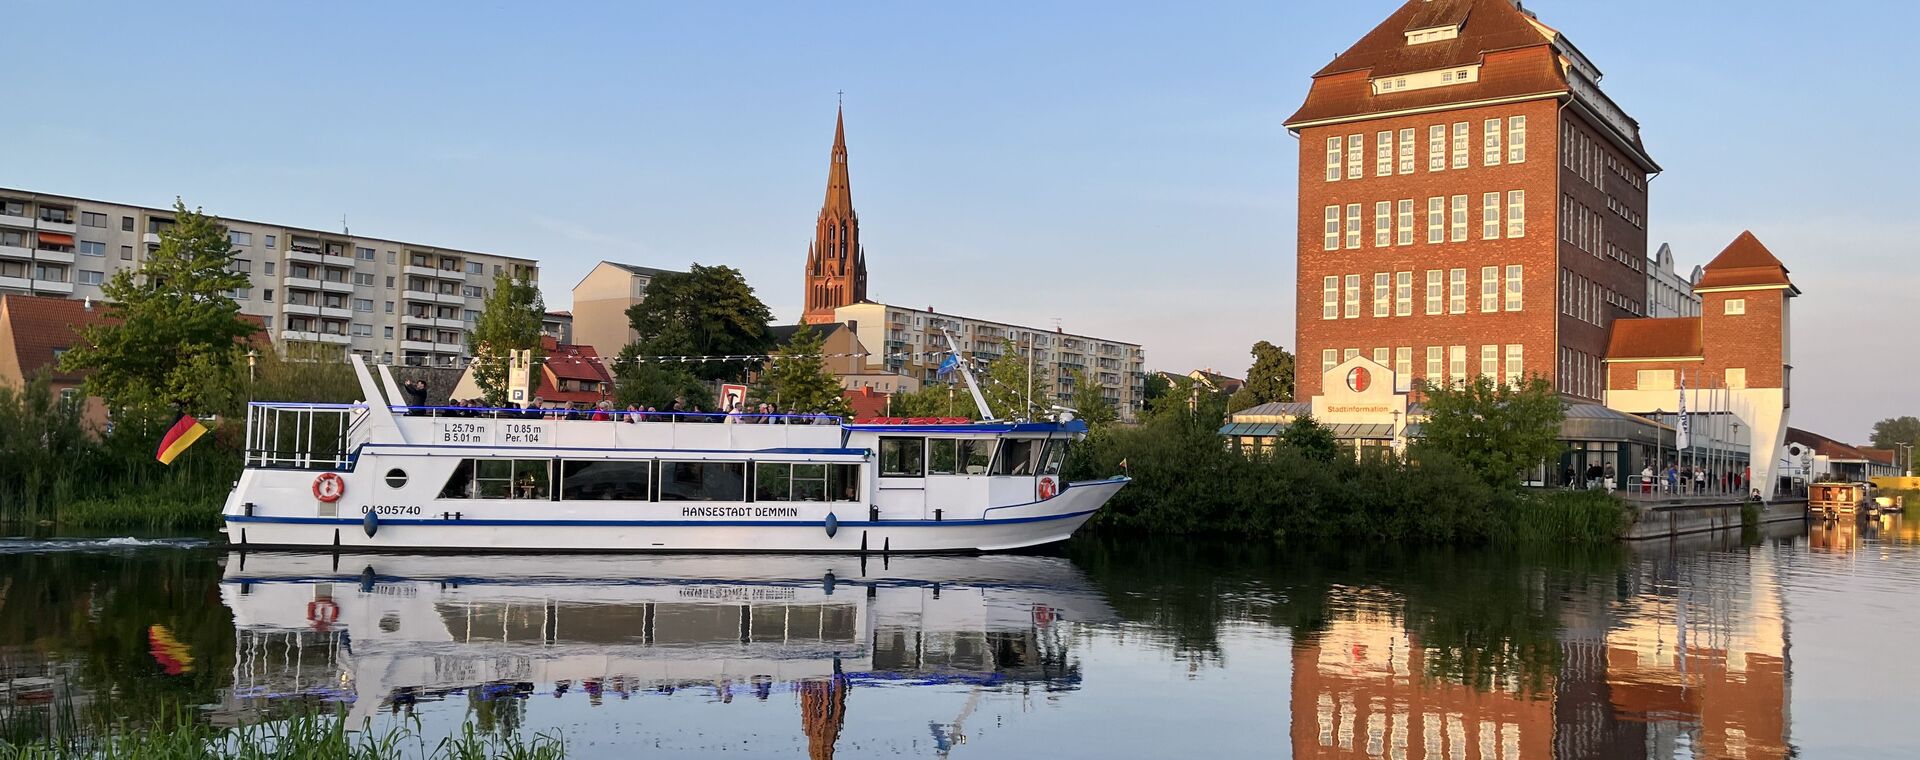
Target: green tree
{"points": [[509, 322], [1493, 429], [799, 377], [1270, 379], [1312, 439], [1011, 392], [935, 399], [706, 312], [1156, 386], [1090, 402], [167, 322], [1895, 432], [655, 384]]}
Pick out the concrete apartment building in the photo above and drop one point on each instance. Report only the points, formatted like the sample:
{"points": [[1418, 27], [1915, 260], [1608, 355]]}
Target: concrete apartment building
{"points": [[910, 342], [1471, 203], [386, 300], [600, 303]]}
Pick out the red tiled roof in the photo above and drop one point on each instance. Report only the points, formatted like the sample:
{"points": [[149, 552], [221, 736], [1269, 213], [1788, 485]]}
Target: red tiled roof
{"points": [[866, 402], [1879, 456], [566, 361], [1745, 262], [1825, 446], [42, 327], [1649, 338]]}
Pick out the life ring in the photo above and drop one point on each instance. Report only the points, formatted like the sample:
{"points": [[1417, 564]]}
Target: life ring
{"points": [[328, 487], [322, 613], [1042, 615], [1047, 488]]}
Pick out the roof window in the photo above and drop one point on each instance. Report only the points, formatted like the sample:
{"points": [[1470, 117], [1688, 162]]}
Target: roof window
{"points": [[1433, 34]]}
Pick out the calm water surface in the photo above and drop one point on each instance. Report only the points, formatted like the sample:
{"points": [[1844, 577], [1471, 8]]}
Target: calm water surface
{"points": [[1787, 644]]}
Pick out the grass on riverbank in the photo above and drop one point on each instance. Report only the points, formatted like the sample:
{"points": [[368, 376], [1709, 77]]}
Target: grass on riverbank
{"points": [[295, 738], [172, 506]]}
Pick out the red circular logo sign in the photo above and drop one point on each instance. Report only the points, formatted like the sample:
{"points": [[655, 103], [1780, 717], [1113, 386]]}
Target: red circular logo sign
{"points": [[1359, 379]]}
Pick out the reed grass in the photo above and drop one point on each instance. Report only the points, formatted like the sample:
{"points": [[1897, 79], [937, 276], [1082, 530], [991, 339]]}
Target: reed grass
{"points": [[299, 737]]}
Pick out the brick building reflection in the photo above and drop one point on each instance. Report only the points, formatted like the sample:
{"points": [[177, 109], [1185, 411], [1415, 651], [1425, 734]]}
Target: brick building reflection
{"points": [[1663, 659]]}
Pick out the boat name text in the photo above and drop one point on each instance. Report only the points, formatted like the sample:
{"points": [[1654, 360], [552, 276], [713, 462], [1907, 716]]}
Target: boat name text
{"points": [[739, 512]]}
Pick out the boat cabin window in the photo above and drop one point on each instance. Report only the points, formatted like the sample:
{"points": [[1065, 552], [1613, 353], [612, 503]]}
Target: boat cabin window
{"points": [[1019, 456], [499, 479], [788, 481], [703, 481], [1055, 457], [959, 456], [590, 480], [903, 457]]}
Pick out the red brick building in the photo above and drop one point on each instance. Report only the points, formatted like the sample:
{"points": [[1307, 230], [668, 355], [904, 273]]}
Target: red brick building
{"points": [[836, 264], [1470, 203]]}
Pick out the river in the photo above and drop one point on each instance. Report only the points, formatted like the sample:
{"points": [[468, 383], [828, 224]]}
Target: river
{"points": [[1787, 644]]}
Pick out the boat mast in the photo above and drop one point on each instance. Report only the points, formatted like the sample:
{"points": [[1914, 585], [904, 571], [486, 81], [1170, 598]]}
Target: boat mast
{"points": [[967, 372]]}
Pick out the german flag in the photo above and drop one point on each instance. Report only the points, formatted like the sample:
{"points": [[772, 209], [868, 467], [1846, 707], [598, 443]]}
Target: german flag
{"points": [[184, 432]]}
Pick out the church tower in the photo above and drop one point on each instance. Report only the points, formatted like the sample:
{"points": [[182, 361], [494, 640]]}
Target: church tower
{"points": [[836, 264]]}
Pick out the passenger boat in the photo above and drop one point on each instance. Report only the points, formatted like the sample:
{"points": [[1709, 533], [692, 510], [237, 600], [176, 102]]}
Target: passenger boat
{"points": [[1834, 500], [381, 475]]}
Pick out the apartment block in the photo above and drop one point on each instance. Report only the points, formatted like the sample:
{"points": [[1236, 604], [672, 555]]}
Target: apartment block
{"points": [[1471, 203], [913, 342], [386, 300]]}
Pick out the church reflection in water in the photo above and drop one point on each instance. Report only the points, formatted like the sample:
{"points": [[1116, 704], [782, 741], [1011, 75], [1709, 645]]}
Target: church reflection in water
{"points": [[1661, 659], [384, 633]]}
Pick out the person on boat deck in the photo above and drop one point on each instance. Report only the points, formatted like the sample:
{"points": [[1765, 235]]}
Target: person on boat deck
{"points": [[632, 415], [416, 391], [533, 409]]}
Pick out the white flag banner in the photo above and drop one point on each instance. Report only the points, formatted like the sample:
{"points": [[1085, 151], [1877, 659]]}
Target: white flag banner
{"points": [[1683, 431]]}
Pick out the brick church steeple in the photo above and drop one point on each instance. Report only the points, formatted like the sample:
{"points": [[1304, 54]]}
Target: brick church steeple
{"points": [[836, 264]]}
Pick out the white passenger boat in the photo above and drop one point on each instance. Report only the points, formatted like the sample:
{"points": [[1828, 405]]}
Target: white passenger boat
{"points": [[380, 475]]}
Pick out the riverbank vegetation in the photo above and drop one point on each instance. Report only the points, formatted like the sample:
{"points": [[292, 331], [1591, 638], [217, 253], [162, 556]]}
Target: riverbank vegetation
{"points": [[303, 735]]}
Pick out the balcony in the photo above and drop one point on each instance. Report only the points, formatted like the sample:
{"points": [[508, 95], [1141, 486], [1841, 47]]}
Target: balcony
{"points": [[50, 286], [310, 336], [65, 257], [21, 221], [151, 238], [303, 309], [336, 286], [429, 297], [450, 348], [14, 283], [303, 283], [411, 320], [415, 345], [16, 252], [451, 324], [66, 227], [308, 257]]}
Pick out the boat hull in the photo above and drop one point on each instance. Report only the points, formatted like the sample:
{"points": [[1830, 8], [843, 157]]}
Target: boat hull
{"points": [[1004, 529]]}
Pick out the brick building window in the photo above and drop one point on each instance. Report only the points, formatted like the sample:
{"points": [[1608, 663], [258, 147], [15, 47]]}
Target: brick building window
{"points": [[1456, 362], [1490, 216], [1516, 139], [1433, 291], [1356, 158], [1333, 159], [1403, 294], [1491, 137], [1513, 287], [1382, 224], [1351, 353], [1436, 219], [1513, 364], [1459, 145], [1402, 368], [1406, 151], [1330, 298], [1436, 147], [1490, 361], [1332, 239], [1329, 359], [1353, 226], [1457, 291], [1736, 307], [1489, 290], [1383, 154], [1406, 222], [1433, 365], [1353, 296], [1458, 219], [1382, 296], [1380, 357], [1516, 213], [1653, 380]]}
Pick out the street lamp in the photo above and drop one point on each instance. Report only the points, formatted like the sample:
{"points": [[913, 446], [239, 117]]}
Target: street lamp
{"points": [[1659, 459], [1907, 470]]}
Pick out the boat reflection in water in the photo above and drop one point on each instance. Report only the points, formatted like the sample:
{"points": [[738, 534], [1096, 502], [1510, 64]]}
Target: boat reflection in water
{"points": [[383, 633]]}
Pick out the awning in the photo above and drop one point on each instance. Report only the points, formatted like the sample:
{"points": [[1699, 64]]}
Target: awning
{"points": [[1368, 432], [1258, 429], [56, 238]]}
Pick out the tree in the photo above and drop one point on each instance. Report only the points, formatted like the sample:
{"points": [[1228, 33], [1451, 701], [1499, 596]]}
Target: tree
{"points": [[706, 312], [1090, 402], [168, 321], [1270, 379], [1896, 432], [1495, 430], [1312, 439], [935, 399], [654, 384], [1011, 392], [799, 377], [1155, 387], [510, 321]]}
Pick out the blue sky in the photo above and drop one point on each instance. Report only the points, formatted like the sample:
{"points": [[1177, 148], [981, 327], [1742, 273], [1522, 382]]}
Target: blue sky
{"points": [[1119, 166]]}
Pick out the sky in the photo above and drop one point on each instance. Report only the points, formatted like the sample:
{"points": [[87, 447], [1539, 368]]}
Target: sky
{"points": [[1118, 167]]}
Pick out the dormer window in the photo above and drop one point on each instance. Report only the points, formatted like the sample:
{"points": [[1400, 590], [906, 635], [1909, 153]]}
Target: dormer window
{"points": [[1433, 34]]}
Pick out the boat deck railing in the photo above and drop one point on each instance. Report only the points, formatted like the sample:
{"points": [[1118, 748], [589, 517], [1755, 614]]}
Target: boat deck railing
{"points": [[304, 436], [613, 415]]}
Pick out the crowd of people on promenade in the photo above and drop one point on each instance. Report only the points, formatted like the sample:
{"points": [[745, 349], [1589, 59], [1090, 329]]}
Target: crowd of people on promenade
{"points": [[1675, 479], [678, 410]]}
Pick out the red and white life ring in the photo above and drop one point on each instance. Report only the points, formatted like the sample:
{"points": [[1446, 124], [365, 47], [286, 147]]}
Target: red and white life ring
{"points": [[1048, 488], [328, 487], [322, 613]]}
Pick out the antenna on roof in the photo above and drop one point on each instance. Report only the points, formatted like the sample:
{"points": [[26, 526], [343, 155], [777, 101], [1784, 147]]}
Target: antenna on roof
{"points": [[343, 225]]}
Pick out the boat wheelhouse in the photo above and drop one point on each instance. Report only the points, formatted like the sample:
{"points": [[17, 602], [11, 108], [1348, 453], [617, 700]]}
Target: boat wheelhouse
{"points": [[381, 475]]}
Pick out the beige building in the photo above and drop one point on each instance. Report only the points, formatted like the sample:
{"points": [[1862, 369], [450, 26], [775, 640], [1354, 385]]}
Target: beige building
{"points": [[600, 304], [386, 300], [909, 342]]}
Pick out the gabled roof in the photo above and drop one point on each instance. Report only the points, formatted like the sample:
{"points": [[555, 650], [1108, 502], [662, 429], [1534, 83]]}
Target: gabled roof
{"points": [[1745, 262], [1651, 338], [567, 361], [1824, 446], [640, 270], [43, 327]]}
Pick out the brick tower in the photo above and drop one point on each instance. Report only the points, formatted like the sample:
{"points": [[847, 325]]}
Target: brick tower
{"points": [[1470, 203], [836, 264]]}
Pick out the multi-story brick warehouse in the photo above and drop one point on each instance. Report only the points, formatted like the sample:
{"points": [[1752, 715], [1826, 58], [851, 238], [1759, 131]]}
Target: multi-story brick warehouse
{"points": [[1470, 203], [386, 300]]}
